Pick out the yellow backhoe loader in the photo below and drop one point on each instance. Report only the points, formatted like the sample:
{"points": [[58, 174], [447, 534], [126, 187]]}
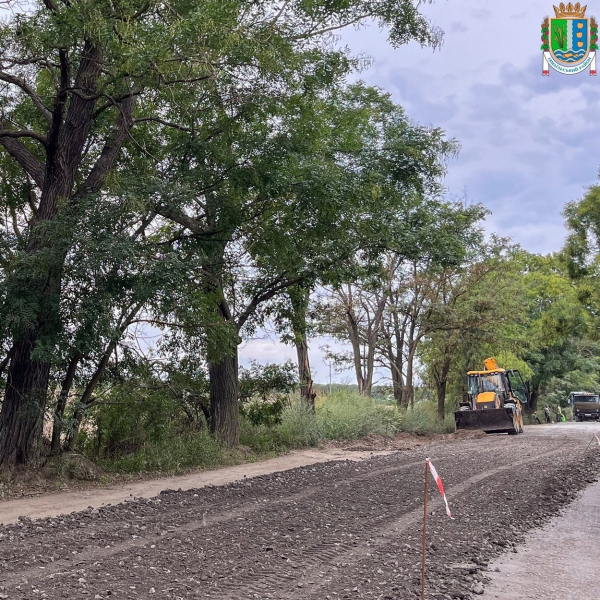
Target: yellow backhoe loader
{"points": [[494, 401]]}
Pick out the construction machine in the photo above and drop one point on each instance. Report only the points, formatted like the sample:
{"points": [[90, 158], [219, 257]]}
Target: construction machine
{"points": [[494, 400]]}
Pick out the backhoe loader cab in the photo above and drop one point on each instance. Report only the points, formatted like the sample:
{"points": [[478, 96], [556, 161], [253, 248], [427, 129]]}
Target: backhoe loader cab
{"points": [[494, 400]]}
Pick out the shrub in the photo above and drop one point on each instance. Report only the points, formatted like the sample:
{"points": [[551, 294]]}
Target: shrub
{"points": [[348, 416], [265, 412], [264, 391], [422, 419], [173, 455], [298, 429]]}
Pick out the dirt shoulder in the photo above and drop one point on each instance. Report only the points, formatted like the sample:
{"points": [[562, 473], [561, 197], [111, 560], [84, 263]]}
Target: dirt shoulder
{"points": [[53, 505], [330, 530], [35, 492]]}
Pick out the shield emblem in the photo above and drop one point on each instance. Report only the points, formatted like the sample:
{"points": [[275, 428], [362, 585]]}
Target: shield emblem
{"points": [[569, 40]]}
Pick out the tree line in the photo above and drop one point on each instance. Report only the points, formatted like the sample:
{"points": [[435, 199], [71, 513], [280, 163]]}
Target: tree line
{"points": [[204, 168]]}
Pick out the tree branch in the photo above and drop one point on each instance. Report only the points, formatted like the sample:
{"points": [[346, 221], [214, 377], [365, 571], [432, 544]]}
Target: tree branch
{"points": [[21, 83], [108, 157], [20, 133], [163, 122], [267, 294], [28, 161]]}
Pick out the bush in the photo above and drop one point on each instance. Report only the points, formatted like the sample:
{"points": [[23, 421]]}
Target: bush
{"points": [[422, 419], [145, 434], [348, 416], [298, 429], [263, 412], [264, 390], [176, 454]]}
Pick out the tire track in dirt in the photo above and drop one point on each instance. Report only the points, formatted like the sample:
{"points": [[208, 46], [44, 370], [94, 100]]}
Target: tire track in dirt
{"points": [[100, 554], [326, 556]]}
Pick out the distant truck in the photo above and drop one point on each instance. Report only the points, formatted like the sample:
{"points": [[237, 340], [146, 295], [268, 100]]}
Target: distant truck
{"points": [[585, 405]]}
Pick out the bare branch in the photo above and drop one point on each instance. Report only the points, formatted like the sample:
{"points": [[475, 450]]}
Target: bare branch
{"points": [[325, 30]]}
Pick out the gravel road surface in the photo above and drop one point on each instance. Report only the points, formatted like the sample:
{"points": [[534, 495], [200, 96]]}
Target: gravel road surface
{"points": [[327, 531], [52, 505]]}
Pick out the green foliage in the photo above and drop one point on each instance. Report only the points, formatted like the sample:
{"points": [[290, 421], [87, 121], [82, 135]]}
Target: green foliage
{"points": [[422, 419], [244, 107], [263, 380], [298, 428], [158, 443], [347, 416], [264, 391], [175, 454]]}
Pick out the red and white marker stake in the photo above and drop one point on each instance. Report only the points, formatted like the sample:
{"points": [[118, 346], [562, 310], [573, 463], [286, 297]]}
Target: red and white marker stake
{"points": [[598, 439], [440, 485], [429, 467]]}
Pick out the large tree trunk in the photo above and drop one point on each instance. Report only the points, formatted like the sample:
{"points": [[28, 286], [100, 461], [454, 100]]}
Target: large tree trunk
{"points": [[533, 400], [356, 351], [441, 399], [408, 391], [397, 382], [397, 359], [224, 399], [441, 379], [72, 117], [441, 383], [22, 417], [306, 383]]}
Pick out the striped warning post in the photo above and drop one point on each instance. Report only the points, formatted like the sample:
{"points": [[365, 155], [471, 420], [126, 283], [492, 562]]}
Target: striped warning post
{"points": [[440, 485]]}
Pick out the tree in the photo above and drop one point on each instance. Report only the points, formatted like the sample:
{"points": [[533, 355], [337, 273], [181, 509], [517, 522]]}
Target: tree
{"points": [[281, 209], [472, 302], [386, 316]]}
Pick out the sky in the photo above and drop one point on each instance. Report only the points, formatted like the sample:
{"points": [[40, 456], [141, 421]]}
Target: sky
{"points": [[529, 144]]}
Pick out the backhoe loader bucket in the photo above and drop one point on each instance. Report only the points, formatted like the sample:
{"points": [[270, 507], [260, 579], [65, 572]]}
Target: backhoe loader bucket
{"points": [[495, 420]]}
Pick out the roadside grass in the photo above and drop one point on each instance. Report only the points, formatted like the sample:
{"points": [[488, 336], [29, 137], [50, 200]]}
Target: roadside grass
{"points": [[422, 419], [347, 416], [341, 416], [175, 454]]}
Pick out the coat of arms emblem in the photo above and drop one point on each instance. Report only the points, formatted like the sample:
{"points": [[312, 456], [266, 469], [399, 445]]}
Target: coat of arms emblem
{"points": [[569, 40]]}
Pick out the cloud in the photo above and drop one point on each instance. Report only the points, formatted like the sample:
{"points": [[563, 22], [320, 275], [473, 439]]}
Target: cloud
{"points": [[458, 27], [528, 142], [481, 14]]}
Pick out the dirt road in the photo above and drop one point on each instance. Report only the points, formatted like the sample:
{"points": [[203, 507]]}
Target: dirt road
{"points": [[328, 531]]}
